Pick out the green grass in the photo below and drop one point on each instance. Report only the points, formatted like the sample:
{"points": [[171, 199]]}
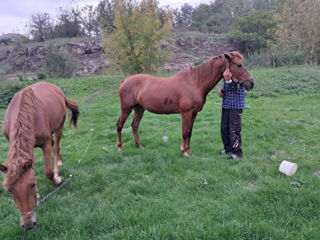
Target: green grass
{"points": [[156, 193]]}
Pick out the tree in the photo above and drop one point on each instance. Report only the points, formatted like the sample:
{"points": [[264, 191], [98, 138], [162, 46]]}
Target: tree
{"points": [[215, 17], [183, 17], [200, 16], [69, 23], [138, 42], [106, 15], [89, 21], [41, 27], [252, 33], [299, 27]]}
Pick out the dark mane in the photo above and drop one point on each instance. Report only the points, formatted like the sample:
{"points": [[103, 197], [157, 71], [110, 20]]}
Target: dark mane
{"points": [[22, 140]]}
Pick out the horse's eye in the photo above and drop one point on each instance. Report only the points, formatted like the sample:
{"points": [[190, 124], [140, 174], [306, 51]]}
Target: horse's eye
{"points": [[239, 65]]}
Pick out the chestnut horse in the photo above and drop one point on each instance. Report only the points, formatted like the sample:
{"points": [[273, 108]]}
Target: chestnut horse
{"points": [[33, 115], [183, 93]]}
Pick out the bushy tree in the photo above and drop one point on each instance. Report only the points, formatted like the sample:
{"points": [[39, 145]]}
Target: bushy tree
{"points": [[183, 17], [69, 23], [106, 15], [252, 33], [138, 42], [299, 27], [89, 21], [58, 64], [41, 27], [214, 17]]}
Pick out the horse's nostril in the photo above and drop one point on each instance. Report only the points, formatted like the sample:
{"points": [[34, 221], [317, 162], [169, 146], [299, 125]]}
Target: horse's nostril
{"points": [[29, 226]]}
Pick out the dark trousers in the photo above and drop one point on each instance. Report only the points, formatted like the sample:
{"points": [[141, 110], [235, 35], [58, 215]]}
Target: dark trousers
{"points": [[231, 130]]}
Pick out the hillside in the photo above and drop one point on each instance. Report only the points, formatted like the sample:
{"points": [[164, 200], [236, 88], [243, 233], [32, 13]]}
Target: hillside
{"points": [[17, 58]]}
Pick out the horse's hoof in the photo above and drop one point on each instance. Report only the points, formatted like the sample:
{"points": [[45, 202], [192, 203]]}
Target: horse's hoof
{"points": [[60, 163], [57, 180], [186, 154], [120, 149], [141, 146], [38, 196]]}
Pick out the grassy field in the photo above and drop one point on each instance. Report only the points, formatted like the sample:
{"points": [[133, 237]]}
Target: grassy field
{"points": [[156, 193]]}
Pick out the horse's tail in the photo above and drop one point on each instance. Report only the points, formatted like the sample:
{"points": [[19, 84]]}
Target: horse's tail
{"points": [[75, 111]]}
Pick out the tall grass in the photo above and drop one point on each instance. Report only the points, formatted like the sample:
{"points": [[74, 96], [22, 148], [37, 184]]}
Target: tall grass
{"points": [[156, 193]]}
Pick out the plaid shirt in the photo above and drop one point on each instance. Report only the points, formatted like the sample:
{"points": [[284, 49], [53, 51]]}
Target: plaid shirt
{"points": [[232, 97]]}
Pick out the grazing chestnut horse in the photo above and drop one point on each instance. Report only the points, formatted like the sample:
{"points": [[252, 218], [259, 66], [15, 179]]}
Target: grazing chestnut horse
{"points": [[183, 93], [34, 114]]}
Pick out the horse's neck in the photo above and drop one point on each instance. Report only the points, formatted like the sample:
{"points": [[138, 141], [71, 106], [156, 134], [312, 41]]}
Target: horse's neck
{"points": [[22, 137], [212, 79]]}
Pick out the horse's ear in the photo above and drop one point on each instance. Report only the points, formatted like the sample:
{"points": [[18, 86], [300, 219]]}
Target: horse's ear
{"points": [[228, 56], [27, 165], [3, 168]]}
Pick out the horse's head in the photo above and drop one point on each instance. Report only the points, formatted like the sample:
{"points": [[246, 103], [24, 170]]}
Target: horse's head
{"points": [[24, 194], [240, 74]]}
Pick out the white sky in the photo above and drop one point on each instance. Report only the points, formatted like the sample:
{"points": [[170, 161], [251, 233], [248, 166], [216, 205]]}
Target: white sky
{"points": [[15, 14]]}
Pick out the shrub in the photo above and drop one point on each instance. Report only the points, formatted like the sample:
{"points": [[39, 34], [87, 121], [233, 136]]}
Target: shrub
{"points": [[7, 92], [41, 76], [57, 64], [275, 58]]}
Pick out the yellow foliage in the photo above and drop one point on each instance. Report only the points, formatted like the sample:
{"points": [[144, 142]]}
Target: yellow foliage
{"points": [[299, 26], [140, 29]]}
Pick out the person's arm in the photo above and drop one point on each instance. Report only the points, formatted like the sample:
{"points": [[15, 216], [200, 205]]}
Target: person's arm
{"points": [[227, 80]]}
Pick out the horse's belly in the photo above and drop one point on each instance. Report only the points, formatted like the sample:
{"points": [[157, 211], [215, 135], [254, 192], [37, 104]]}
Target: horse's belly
{"points": [[165, 106], [163, 111]]}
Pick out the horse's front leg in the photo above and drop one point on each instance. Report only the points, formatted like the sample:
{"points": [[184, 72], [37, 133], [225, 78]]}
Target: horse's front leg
{"points": [[187, 124], [194, 115], [52, 175]]}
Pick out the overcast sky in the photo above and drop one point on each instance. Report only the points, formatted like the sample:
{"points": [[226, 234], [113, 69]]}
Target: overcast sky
{"points": [[14, 14]]}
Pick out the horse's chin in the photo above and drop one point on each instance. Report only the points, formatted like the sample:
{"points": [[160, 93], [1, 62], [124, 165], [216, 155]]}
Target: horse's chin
{"points": [[247, 88]]}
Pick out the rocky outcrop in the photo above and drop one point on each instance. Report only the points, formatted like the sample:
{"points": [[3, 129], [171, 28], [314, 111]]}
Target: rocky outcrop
{"points": [[89, 59], [192, 51]]}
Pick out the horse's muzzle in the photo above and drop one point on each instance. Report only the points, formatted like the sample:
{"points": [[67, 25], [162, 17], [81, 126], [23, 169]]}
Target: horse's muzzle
{"points": [[249, 85], [28, 220], [29, 226]]}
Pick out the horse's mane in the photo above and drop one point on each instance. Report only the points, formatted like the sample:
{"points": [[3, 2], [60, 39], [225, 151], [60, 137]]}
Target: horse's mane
{"points": [[206, 69], [22, 138]]}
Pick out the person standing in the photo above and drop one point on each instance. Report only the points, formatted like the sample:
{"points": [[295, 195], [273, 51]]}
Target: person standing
{"points": [[233, 103]]}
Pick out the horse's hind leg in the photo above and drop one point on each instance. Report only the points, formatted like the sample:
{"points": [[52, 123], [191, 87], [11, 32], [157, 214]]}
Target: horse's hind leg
{"points": [[125, 112], [187, 125], [56, 149], [138, 114]]}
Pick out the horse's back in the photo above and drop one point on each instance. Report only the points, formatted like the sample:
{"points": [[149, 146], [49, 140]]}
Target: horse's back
{"points": [[156, 94], [51, 100]]}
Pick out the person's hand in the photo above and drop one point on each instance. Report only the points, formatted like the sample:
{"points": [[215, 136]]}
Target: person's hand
{"points": [[220, 93], [227, 75]]}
